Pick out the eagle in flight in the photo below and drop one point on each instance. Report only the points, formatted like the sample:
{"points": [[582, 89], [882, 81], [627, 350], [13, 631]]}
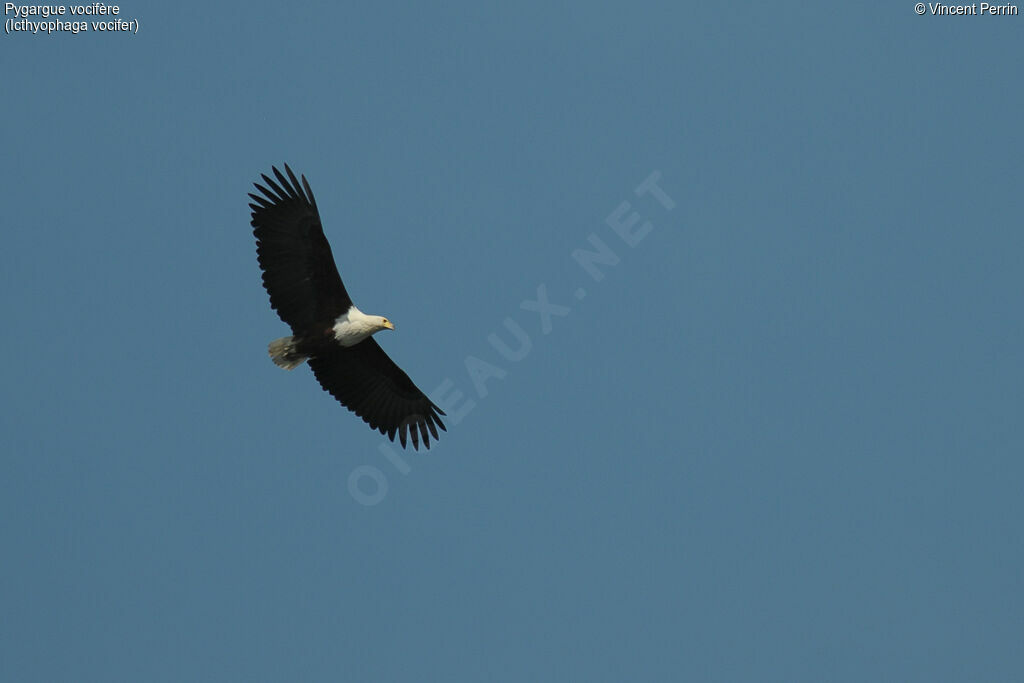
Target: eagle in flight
{"points": [[328, 332]]}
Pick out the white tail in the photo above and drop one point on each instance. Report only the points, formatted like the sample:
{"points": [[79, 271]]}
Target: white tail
{"points": [[284, 354]]}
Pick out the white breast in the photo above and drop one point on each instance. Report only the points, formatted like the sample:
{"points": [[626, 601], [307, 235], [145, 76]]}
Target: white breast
{"points": [[353, 327]]}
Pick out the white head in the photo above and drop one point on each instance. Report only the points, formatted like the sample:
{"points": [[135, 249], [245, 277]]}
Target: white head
{"points": [[355, 326]]}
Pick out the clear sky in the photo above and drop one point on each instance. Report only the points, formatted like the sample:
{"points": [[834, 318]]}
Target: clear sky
{"points": [[772, 434]]}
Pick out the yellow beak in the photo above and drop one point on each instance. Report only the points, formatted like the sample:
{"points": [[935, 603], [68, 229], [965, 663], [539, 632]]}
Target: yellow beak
{"points": [[389, 325]]}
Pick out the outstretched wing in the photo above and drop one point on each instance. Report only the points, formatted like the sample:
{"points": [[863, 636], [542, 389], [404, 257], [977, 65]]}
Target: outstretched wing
{"points": [[369, 384], [298, 267]]}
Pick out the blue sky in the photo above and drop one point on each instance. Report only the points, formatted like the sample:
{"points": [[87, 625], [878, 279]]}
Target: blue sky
{"points": [[778, 440]]}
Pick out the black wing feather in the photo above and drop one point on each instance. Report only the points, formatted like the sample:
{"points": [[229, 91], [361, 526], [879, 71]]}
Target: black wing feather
{"points": [[298, 266], [367, 382]]}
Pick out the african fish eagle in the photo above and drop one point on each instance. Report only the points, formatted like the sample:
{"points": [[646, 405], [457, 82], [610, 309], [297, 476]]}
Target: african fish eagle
{"points": [[328, 331]]}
